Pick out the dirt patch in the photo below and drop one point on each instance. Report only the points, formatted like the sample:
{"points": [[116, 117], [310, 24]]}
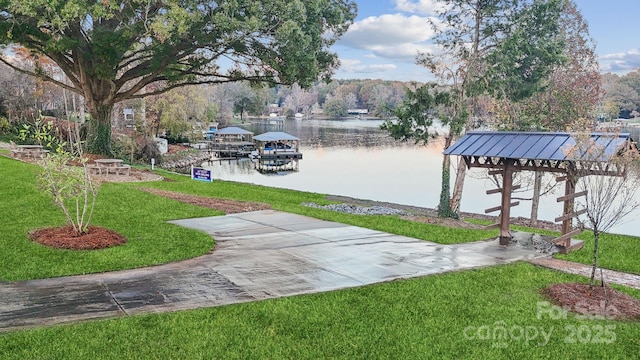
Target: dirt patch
{"points": [[601, 302], [66, 238], [134, 176], [224, 205]]}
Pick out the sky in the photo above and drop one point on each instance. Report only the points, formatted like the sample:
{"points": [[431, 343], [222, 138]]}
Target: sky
{"points": [[387, 34]]}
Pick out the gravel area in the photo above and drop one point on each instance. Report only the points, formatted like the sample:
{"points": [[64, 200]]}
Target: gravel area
{"points": [[359, 210]]}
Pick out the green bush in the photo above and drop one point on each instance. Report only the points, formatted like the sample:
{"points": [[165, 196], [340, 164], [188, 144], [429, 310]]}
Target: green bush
{"points": [[135, 150], [5, 127]]}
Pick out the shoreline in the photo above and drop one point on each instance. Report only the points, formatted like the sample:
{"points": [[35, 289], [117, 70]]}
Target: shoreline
{"points": [[433, 213]]}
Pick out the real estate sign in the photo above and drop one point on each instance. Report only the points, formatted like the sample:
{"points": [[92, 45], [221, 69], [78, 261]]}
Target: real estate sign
{"points": [[201, 174]]}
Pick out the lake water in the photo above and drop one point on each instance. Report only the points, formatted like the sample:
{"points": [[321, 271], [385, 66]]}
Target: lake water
{"points": [[355, 158]]}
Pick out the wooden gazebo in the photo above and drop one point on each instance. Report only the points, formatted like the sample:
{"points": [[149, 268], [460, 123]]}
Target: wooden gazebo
{"points": [[507, 152]]}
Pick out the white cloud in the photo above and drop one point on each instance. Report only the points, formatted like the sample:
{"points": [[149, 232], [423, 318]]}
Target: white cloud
{"points": [[356, 66], [424, 7], [403, 52], [390, 36], [620, 62]]}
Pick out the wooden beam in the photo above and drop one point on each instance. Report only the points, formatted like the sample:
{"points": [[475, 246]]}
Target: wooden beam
{"points": [[499, 190], [495, 172], [496, 208], [572, 196], [561, 178], [571, 215], [519, 167], [561, 239]]}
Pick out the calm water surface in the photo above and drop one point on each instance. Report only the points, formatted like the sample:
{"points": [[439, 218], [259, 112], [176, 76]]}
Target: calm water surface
{"points": [[354, 158]]}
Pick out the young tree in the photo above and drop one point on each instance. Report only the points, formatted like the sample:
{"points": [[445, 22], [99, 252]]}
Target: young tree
{"points": [[71, 187], [111, 50], [611, 186]]}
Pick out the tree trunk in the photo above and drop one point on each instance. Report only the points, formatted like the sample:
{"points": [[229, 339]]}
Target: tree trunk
{"points": [[456, 198], [444, 207], [535, 203], [99, 135], [594, 265]]}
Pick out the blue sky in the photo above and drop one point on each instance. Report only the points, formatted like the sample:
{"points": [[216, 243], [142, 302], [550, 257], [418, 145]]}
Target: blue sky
{"points": [[387, 34]]}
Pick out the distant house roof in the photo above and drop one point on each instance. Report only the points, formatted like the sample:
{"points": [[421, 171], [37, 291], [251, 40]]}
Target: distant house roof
{"points": [[274, 136], [233, 130], [533, 145]]}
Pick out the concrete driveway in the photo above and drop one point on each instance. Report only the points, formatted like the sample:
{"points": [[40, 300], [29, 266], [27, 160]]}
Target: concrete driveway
{"points": [[258, 255]]}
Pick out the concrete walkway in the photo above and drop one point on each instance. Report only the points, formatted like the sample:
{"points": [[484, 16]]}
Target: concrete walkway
{"points": [[610, 276], [258, 255]]}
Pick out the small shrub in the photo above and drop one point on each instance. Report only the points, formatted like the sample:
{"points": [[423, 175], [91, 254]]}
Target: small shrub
{"points": [[5, 127], [138, 150], [65, 183]]}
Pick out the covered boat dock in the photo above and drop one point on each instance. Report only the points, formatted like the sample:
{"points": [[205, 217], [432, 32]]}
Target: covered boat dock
{"points": [[276, 151], [232, 142]]}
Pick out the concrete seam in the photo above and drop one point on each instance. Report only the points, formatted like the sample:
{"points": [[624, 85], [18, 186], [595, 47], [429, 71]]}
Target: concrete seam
{"points": [[106, 288]]}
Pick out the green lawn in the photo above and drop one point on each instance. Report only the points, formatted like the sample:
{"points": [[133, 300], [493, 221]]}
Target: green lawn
{"points": [[291, 200], [448, 316], [617, 252], [142, 218]]}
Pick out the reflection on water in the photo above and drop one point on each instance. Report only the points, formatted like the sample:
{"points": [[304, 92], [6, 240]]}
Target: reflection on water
{"points": [[355, 158]]}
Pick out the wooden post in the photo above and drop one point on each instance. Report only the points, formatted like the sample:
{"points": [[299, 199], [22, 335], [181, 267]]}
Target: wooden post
{"points": [[536, 199], [569, 189], [505, 213]]}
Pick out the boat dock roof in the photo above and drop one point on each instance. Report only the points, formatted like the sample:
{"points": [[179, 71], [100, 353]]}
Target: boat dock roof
{"points": [[275, 136]]}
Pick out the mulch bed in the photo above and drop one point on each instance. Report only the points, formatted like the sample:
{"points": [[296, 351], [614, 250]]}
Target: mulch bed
{"points": [[226, 206], [100, 238], [66, 238], [578, 298]]}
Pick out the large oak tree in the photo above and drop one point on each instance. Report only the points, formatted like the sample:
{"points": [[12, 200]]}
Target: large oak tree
{"points": [[110, 50]]}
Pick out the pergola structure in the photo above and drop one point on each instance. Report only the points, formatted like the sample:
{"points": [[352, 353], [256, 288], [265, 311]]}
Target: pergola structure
{"points": [[508, 152]]}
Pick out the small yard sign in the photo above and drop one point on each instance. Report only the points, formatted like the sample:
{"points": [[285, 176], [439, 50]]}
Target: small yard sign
{"points": [[201, 174]]}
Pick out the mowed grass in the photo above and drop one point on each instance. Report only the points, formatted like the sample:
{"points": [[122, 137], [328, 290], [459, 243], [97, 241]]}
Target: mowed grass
{"points": [[459, 315], [456, 315], [292, 201], [617, 252], [140, 217]]}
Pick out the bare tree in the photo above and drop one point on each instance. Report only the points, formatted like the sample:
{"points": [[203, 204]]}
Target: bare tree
{"points": [[610, 183]]}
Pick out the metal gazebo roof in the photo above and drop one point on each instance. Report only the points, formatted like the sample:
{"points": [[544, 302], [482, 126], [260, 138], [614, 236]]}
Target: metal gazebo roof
{"points": [[532, 145]]}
